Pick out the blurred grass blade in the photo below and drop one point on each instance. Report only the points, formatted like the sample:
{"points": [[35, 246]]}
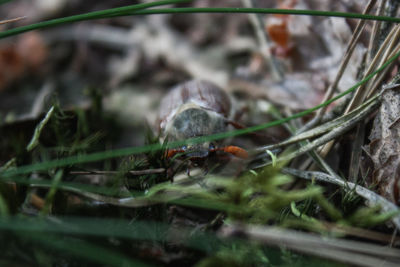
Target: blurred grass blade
{"points": [[36, 134], [84, 250], [4, 1], [266, 11], [108, 228], [143, 149], [118, 11], [77, 188], [139, 10], [4, 212], [52, 192]]}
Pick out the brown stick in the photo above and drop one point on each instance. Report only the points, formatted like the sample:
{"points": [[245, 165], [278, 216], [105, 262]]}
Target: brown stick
{"points": [[11, 20], [141, 172]]}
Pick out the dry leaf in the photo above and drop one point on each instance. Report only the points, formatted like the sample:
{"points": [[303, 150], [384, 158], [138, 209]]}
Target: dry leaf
{"points": [[384, 148], [27, 55], [11, 65]]}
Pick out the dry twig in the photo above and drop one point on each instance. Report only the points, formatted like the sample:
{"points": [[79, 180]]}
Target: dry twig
{"points": [[12, 20], [349, 51], [372, 197], [263, 41], [328, 126], [139, 172], [335, 128], [350, 252]]}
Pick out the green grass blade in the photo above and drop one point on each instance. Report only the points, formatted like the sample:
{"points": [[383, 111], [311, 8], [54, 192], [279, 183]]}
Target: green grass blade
{"points": [[85, 250], [105, 227], [143, 149], [87, 16], [139, 10], [38, 130], [4, 1], [4, 212], [52, 192], [266, 11], [74, 187]]}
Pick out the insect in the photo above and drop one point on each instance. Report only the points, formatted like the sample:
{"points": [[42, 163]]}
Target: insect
{"points": [[192, 109]]}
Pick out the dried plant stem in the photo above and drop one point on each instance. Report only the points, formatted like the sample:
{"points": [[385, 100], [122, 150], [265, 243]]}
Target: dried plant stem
{"points": [[363, 233], [372, 198], [389, 10], [378, 81], [332, 134], [140, 172], [157, 194], [326, 166], [132, 202], [351, 252], [329, 126], [383, 52], [349, 51], [356, 153], [336, 127], [361, 94], [392, 49], [264, 42], [360, 131], [12, 20], [373, 41]]}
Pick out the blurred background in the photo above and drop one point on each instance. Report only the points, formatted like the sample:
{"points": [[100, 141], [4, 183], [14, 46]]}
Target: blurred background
{"points": [[129, 63]]}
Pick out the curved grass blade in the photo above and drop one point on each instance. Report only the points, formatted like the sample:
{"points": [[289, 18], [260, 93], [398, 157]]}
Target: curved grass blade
{"points": [[266, 11], [143, 149], [106, 227], [52, 192], [139, 10], [38, 130], [112, 12]]}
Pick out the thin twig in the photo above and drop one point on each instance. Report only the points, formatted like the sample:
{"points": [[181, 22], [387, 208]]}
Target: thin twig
{"points": [[338, 131], [263, 40], [373, 198], [336, 128], [393, 237], [140, 172], [360, 131], [373, 41], [132, 202], [362, 233], [392, 48], [334, 133], [351, 252], [389, 10], [329, 126], [349, 51], [383, 74], [361, 93], [356, 152], [12, 20]]}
